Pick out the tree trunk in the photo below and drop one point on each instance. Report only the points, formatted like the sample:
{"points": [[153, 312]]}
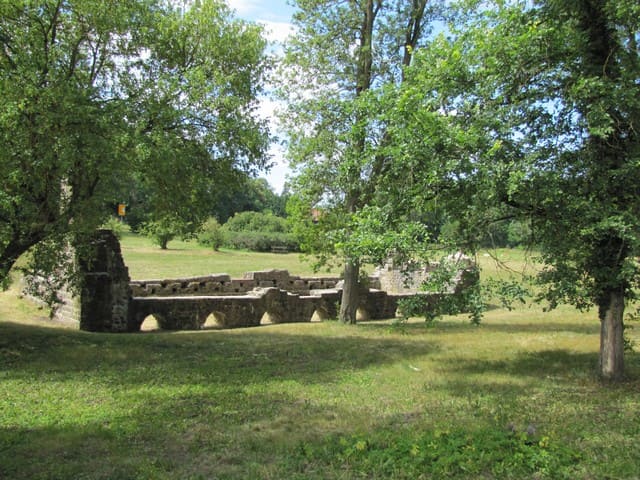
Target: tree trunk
{"points": [[13, 250], [8, 258], [611, 336], [350, 295]]}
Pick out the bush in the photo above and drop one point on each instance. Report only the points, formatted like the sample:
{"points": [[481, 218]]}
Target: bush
{"points": [[116, 226], [211, 234], [258, 232], [518, 233], [506, 233], [260, 241], [257, 222]]}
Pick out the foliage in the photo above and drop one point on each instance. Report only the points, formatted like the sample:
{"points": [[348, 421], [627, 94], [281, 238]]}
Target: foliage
{"points": [[162, 231], [260, 241], [54, 255], [256, 222], [248, 195], [258, 232], [527, 110], [117, 226], [99, 96], [336, 66], [455, 453], [234, 191], [211, 234], [453, 288]]}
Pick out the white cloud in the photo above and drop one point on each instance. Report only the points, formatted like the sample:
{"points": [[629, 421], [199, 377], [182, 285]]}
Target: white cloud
{"points": [[245, 7], [277, 31], [274, 15]]}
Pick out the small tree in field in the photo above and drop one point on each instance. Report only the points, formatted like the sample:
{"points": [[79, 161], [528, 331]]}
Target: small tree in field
{"points": [[162, 231], [211, 234]]}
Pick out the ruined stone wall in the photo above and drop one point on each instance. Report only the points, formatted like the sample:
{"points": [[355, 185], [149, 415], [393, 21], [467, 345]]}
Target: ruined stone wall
{"points": [[111, 302], [234, 311], [397, 279], [106, 294], [223, 284], [68, 311], [103, 303]]}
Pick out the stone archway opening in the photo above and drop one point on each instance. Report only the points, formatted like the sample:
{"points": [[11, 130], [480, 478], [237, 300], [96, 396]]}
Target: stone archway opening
{"points": [[362, 315], [215, 320], [150, 324], [320, 315], [268, 319]]}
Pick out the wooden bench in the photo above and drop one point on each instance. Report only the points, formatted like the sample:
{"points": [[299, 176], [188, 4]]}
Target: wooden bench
{"points": [[279, 249]]}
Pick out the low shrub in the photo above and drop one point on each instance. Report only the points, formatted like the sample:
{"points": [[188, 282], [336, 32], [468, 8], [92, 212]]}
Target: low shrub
{"points": [[160, 232], [260, 241], [257, 222], [116, 226], [211, 234], [258, 232]]}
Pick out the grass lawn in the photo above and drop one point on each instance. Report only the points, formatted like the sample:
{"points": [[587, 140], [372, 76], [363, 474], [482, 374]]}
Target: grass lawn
{"points": [[181, 259], [516, 397]]}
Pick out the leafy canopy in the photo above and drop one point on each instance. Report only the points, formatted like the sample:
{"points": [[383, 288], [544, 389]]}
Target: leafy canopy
{"points": [[96, 96]]}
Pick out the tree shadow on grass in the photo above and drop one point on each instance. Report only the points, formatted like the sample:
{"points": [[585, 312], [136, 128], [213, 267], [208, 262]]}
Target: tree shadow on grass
{"points": [[228, 434], [543, 327], [208, 435], [559, 366], [538, 364], [212, 357], [174, 405], [199, 405], [444, 326]]}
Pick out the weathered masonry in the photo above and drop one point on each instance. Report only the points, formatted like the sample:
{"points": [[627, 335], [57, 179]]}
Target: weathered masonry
{"points": [[246, 302], [111, 302]]}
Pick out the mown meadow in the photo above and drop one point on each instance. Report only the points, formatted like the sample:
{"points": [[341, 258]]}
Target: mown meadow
{"points": [[516, 397]]}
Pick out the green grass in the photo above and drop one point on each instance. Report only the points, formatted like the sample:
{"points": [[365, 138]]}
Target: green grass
{"points": [[316, 401], [187, 258]]}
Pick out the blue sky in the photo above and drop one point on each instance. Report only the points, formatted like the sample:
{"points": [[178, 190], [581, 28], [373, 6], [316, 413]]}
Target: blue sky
{"points": [[269, 11], [275, 15]]}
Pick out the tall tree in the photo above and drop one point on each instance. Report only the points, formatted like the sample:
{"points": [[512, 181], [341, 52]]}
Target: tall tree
{"points": [[536, 104], [95, 92], [343, 55]]}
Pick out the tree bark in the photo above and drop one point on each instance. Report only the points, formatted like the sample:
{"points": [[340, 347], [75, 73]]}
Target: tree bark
{"points": [[13, 250], [350, 295], [610, 154], [611, 336]]}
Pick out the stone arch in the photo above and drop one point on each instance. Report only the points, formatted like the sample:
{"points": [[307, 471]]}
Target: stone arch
{"points": [[362, 314], [320, 314], [276, 306], [150, 323], [269, 319], [216, 319]]}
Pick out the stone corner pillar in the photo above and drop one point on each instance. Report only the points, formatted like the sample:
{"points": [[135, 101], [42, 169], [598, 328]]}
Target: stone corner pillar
{"points": [[105, 293]]}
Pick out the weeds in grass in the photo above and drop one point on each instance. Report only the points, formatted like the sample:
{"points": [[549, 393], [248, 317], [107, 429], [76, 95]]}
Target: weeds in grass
{"points": [[451, 453]]}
